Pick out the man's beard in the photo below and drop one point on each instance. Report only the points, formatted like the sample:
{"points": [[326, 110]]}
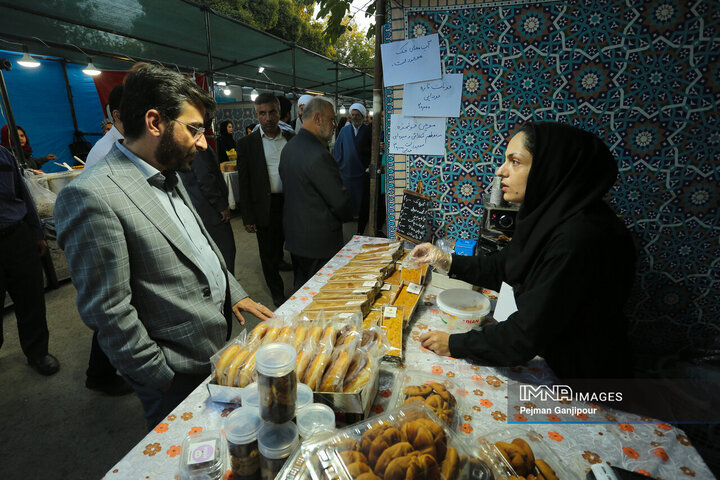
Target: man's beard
{"points": [[357, 123], [171, 155]]}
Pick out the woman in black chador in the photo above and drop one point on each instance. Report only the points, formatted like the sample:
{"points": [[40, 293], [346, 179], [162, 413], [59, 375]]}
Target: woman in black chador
{"points": [[225, 141], [570, 264]]}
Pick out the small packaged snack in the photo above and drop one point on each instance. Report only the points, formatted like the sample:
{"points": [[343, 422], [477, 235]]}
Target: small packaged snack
{"points": [[241, 429], [520, 451], [203, 456], [277, 382], [438, 393]]}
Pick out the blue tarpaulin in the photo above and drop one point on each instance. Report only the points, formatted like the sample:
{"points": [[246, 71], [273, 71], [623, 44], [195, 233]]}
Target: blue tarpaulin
{"points": [[40, 104]]}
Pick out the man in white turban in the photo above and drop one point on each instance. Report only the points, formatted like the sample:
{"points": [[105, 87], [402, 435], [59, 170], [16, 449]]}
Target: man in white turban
{"points": [[352, 153], [302, 101]]}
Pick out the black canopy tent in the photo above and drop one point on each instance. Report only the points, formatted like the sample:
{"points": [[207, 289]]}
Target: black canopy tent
{"points": [[178, 33]]}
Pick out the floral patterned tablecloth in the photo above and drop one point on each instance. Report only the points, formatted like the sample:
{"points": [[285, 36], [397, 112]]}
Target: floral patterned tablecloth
{"points": [[653, 447]]}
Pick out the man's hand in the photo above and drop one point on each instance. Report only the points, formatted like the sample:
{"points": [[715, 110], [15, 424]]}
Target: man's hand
{"points": [[42, 247], [225, 215], [248, 305], [438, 342], [251, 228]]}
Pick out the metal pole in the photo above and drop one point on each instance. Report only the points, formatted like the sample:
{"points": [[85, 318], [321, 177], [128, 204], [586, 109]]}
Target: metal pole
{"points": [[337, 82], [378, 114], [70, 97], [208, 39], [12, 127]]}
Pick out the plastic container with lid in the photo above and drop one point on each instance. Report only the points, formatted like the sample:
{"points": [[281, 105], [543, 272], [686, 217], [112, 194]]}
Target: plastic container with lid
{"points": [[241, 430], [250, 396], [203, 456], [277, 382], [304, 397], [468, 306], [315, 418], [276, 443]]}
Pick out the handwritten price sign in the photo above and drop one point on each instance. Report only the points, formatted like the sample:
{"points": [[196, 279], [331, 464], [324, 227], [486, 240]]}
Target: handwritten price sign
{"points": [[412, 60], [434, 98], [419, 136]]}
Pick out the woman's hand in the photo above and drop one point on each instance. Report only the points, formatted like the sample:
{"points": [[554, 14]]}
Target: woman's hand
{"points": [[438, 342], [429, 253], [248, 305], [50, 157]]}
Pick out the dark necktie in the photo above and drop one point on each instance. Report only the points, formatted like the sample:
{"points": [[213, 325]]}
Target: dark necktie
{"points": [[166, 180]]}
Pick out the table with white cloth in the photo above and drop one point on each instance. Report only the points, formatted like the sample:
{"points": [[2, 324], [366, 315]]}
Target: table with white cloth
{"points": [[651, 447], [231, 180]]}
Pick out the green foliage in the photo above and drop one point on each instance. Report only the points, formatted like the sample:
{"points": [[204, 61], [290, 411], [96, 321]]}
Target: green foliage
{"points": [[334, 13], [288, 19], [353, 48]]}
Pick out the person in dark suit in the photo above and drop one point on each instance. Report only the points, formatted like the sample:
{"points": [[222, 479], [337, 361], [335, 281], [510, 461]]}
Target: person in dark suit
{"points": [[261, 190], [316, 202], [209, 195]]}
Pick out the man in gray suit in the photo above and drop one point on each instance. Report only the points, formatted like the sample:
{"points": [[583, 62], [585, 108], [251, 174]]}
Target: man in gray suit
{"points": [[149, 278], [316, 202]]}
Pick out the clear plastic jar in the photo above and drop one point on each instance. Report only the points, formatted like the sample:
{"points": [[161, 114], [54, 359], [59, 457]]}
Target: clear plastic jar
{"points": [[276, 443], [315, 418], [277, 382], [241, 430]]}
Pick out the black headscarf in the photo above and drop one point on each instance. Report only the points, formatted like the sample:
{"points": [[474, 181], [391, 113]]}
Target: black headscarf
{"points": [[227, 138], [571, 170]]}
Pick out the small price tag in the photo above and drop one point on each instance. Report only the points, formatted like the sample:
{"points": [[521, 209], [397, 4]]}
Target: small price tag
{"points": [[414, 288], [390, 312], [201, 452], [359, 292], [369, 283], [386, 287], [345, 315]]}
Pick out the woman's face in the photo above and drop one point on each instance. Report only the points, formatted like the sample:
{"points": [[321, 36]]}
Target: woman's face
{"points": [[22, 137], [229, 128], [514, 171]]}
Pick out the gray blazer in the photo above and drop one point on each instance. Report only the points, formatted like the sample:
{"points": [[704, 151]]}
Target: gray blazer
{"points": [[137, 282]]}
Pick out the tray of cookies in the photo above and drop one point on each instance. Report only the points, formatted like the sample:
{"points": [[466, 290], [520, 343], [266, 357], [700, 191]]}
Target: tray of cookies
{"points": [[405, 443]]}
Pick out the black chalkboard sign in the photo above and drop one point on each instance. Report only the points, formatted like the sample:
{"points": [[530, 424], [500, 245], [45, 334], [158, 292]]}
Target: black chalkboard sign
{"points": [[413, 216]]}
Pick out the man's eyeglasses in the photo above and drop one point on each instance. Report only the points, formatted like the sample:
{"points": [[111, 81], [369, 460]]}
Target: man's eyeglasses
{"points": [[198, 131]]}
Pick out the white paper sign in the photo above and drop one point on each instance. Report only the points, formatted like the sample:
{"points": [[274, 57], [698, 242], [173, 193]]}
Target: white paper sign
{"points": [[434, 98], [505, 305], [414, 288], [390, 312], [412, 60], [415, 135]]}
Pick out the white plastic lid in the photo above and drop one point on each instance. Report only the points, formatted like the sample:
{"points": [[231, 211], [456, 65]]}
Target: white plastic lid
{"points": [[243, 425], [304, 396], [250, 396], [315, 418], [464, 304], [275, 359], [277, 440]]}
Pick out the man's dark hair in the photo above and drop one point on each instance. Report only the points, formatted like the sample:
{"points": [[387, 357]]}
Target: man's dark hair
{"points": [[150, 86], [266, 97], [285, 106], [115, 98]]}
